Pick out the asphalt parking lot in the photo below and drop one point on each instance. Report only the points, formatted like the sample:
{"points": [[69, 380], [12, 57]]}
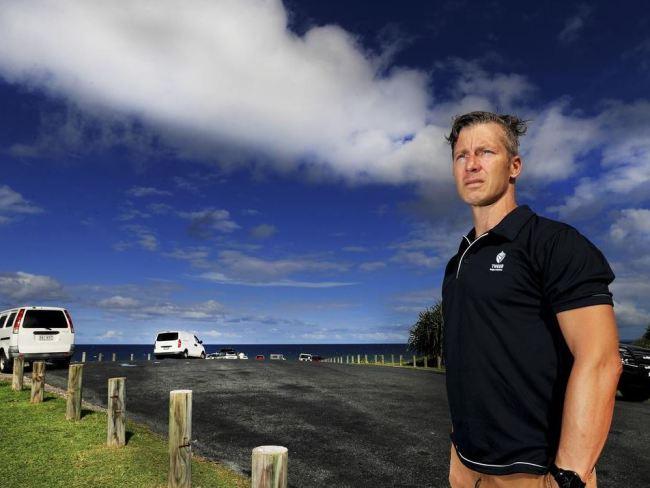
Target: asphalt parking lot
{"points": [[344, 425]]}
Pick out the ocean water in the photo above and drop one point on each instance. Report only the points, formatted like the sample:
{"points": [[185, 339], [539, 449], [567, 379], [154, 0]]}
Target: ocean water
{"points": [[290, 351]]}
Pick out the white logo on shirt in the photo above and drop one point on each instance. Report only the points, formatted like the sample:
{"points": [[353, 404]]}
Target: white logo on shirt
{"points": [[499, 266]]}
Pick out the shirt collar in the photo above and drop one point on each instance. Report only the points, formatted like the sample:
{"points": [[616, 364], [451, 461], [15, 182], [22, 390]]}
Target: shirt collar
{"points": [[509, 226]]}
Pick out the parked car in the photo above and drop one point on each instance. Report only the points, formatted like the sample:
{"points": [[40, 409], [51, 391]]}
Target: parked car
{"points": [[634, 383], [224, 353], [260, 357], [241, 355], [178, 343], [304, 357], [316, 358], [279, 357], [35, 333]]}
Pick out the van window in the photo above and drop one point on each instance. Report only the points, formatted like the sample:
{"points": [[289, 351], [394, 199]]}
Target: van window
{"points": [[3, 319], [10, 320], [41, 319], [167, 336]]}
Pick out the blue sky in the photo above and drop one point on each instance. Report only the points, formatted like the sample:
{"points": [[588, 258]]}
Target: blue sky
{"points": [[267, 172]]}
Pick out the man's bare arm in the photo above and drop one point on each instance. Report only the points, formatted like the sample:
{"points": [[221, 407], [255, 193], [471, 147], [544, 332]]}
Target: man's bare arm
{"points": [[592, 337]]}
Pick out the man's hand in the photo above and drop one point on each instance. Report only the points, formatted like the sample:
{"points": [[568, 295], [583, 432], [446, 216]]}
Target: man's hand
{"points": [[591, 334]]}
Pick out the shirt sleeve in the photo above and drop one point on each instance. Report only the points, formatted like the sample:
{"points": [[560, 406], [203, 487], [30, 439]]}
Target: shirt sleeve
{"points": [[576, 274]]}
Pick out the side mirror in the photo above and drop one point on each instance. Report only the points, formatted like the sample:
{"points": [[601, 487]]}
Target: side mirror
{"points": [[200, 342]]}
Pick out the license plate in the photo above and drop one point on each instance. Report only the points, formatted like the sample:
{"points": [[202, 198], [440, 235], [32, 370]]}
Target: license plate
{"points": [[166, 347], [45, 337]]}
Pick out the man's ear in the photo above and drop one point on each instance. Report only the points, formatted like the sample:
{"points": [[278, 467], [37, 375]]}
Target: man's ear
{"points": [[516, 165]]}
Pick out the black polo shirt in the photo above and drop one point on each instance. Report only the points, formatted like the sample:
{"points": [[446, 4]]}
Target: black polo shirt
{"points": [[507, 361]]}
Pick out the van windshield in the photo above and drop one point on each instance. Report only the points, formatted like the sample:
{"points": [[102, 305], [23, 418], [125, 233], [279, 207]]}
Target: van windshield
{"points": [[167, 336], [42, 319]]}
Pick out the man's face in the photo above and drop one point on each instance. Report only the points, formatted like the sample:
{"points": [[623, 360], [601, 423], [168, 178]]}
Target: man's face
{"points": [[482, 166]]}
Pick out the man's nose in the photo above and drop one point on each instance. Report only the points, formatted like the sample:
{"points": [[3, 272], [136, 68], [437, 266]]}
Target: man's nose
{"points": [[471, 163]]}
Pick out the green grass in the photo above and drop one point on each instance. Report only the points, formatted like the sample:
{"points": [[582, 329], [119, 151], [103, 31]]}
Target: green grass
{"points": [[39, 448]]}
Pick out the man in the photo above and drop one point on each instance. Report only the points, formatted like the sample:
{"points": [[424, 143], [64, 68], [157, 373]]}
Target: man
{"points": [[531, 342]]}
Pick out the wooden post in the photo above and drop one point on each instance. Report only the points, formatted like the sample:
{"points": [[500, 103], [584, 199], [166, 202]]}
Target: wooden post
{"points": [[180, 437], [73, 401], [116, 432], [19, 370], [100, 356], [365, 358], [131, 357], [148, 356], [358, 358], [83, 357], [382, 359], [426, 361], [38, 379], [269, 467], [375, 359], [392, 359], [400, 359], [114, 357], [415, 362]]}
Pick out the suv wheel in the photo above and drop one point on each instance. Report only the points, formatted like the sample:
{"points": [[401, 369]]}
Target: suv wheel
{"points": [[5, 363], [203, 355], [185, 355]]}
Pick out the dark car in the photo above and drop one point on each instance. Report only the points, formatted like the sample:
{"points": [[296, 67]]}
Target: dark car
{"points": [[634, 383], [316, 358]]}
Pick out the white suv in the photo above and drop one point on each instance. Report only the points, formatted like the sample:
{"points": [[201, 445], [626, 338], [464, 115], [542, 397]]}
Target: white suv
{"points": [[304, 357], [35, 333], [178, 343]]}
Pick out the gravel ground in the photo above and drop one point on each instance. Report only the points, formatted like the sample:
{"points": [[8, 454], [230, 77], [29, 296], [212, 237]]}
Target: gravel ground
{"points": [[344, 425]]}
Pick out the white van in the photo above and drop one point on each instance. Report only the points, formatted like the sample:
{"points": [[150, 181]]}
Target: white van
{"points": [[35, 333], [178, 343], [304, 357]]}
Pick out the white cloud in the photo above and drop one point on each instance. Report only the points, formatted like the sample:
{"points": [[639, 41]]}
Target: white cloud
{"points": [[119, 302], [229, 70], [263, 231], [624, 162], [141, 236], [204, 222], [416, 301], [417, 259], [111, 334], [235, 267], [226, 80], [150, 307], [575, 24], [196, 256], [221, 278], [631, 290], [355, 249], [630, 314], [245, 266], [13, 203], [372, 266], [555, 142], [20, 287], [146, 191], [634, 223]]}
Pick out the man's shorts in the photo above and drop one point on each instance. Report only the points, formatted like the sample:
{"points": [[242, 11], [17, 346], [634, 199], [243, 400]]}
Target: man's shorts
{"points": [[460, 476]]}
